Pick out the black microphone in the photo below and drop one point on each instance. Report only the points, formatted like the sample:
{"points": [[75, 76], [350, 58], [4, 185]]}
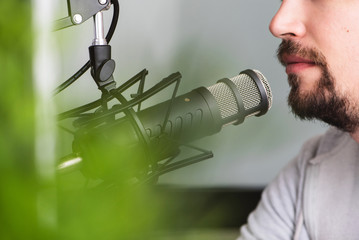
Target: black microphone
{"points": [[127, 146]]}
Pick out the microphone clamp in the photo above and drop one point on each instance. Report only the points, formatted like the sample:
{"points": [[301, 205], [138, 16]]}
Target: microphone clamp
{"points": [[102, 67]]}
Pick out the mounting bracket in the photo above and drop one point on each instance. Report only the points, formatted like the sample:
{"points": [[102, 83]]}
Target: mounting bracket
{"points": [[80, 11]]}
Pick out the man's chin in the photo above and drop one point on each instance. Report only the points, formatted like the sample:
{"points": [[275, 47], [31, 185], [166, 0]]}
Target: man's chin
{"points": [[319, 106], [304, 84]]}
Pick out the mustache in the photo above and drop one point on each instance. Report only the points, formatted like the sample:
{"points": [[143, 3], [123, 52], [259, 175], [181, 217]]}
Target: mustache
{"points": [[289, 47]]}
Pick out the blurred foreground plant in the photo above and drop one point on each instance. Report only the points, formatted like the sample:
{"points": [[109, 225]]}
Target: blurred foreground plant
{"points": [[17, 172]]}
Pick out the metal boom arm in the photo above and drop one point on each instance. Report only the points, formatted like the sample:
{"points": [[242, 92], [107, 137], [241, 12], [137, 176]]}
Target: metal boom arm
{"points": [[80, 11]]}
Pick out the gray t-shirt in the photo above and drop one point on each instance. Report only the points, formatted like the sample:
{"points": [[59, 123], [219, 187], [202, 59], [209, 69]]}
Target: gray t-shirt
{"points": [[316, 196]]}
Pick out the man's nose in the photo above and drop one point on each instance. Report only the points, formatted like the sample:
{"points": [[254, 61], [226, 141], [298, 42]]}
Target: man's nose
{"points": [[288, 22]]}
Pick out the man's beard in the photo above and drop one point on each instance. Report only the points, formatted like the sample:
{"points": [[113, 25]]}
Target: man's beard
{"points": [[323, 102]]}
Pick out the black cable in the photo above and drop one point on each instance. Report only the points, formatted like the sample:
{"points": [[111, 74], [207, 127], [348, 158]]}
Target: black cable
{"points": [[73, 78], [116, 14], [79, 73]]}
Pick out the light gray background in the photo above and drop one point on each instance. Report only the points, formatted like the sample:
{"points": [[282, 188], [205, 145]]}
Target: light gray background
{"points": [[205, 40]]}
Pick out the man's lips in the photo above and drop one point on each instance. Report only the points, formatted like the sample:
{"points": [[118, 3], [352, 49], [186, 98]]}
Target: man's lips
{"points": [[295, 64]]}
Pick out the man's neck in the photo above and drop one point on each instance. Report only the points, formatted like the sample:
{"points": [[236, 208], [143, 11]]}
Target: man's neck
{"points": [[355, 135]]}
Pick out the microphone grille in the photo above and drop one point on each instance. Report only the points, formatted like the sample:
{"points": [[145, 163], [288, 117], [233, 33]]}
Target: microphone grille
{"points": [[225, 99], [248, 90]]}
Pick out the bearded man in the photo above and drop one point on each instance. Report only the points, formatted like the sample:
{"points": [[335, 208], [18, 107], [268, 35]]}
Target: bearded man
{"points": [[316, 196]]}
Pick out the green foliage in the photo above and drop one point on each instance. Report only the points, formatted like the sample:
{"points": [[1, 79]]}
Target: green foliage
{"points": [[17, 179]]}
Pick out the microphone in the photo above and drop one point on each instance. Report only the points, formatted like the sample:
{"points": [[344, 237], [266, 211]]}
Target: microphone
{"points": [[127, 146]]}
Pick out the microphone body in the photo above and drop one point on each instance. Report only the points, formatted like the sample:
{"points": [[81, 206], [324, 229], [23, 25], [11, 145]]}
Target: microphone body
{"points": [[127, 146]]}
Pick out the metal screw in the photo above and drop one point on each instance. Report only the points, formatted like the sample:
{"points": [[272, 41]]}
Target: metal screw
{"points": [[77, 18], [102, 2]]}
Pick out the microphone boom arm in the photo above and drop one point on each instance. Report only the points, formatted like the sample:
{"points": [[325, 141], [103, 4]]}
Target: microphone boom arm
{"points": [[80, 11]]}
